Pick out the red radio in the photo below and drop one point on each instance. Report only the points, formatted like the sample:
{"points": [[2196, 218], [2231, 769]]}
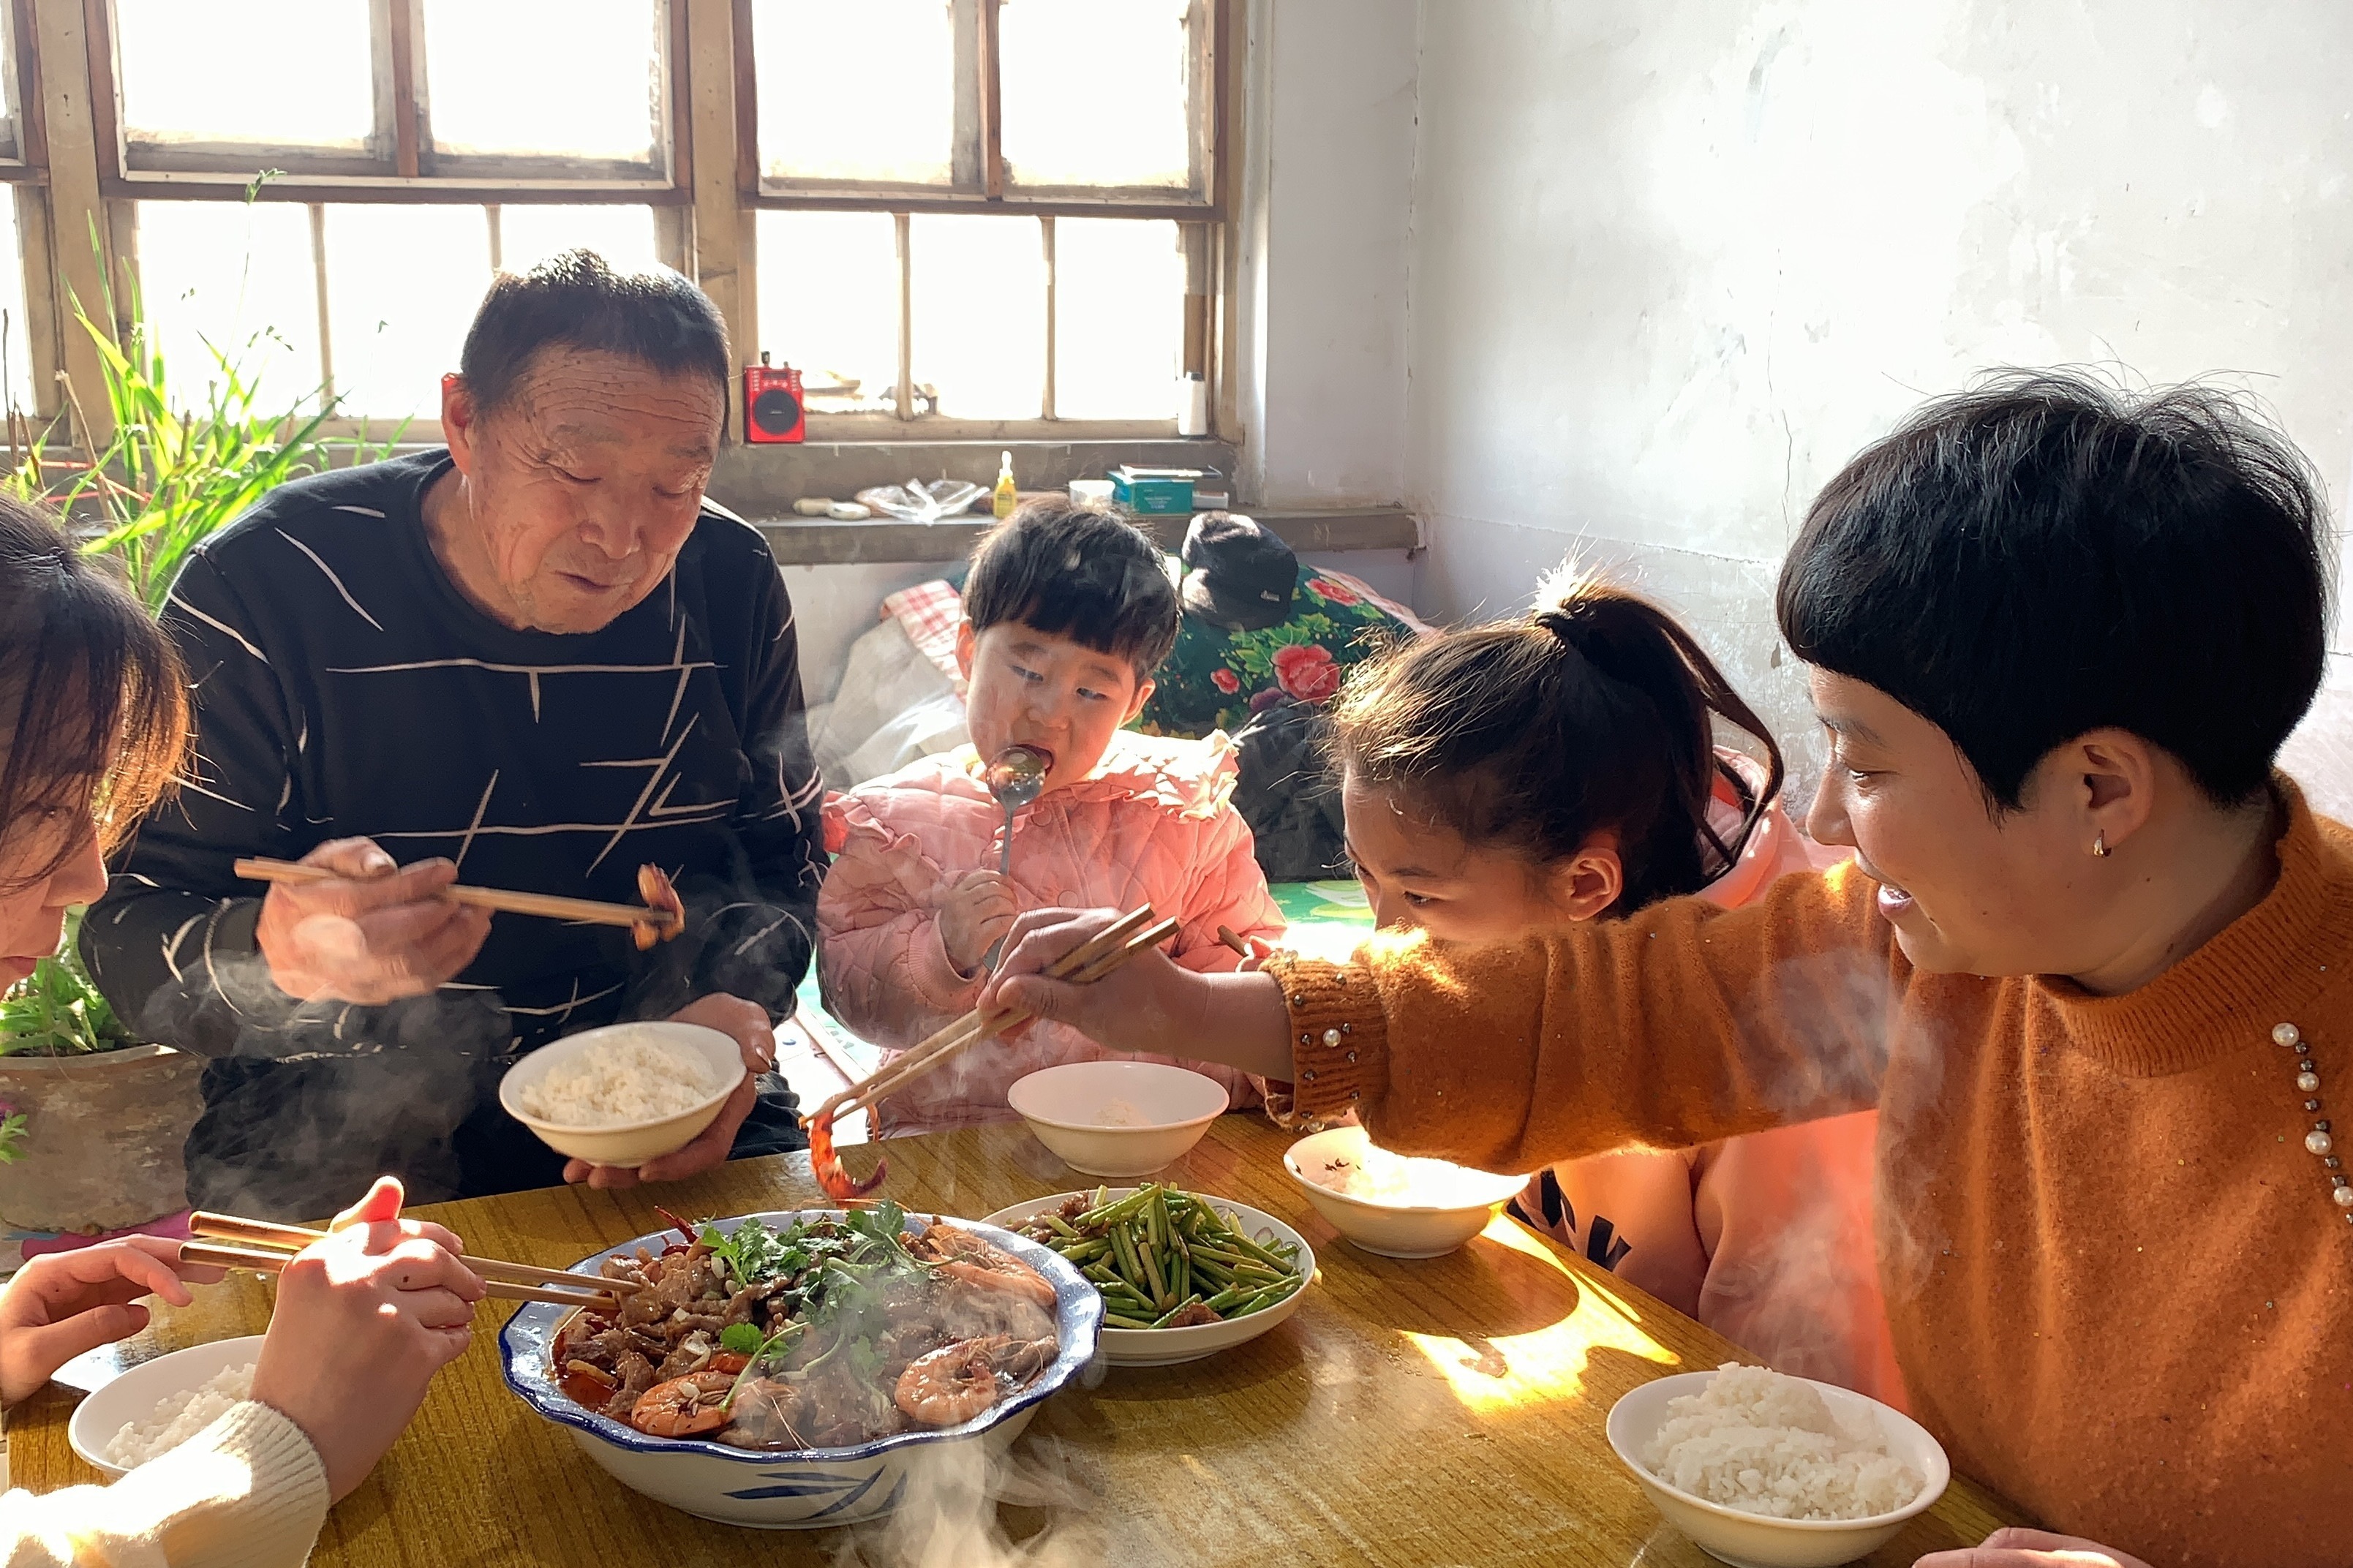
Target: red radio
{"points": [[773, 410]]}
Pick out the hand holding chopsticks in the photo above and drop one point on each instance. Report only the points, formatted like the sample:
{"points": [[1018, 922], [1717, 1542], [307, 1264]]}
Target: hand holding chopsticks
{"points": [[1087, 963], [663, 922], [268, 1247]]}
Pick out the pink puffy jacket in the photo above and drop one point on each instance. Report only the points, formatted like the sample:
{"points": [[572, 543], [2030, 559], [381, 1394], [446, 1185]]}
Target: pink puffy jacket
{"points": [[1150, 824], [1766, 1239]]}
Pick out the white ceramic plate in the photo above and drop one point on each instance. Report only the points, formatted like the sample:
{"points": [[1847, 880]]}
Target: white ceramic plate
{"points": [[1167, 1347], [1760, 1541], [134, 1395], [629, 1143]]}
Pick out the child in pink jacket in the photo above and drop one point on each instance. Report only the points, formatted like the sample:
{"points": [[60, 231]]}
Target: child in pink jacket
{"points": [[1561, 768], [1067, 612]]}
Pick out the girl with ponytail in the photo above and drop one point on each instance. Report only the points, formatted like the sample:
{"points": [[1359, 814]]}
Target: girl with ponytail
{"points": [[1564, 767]]}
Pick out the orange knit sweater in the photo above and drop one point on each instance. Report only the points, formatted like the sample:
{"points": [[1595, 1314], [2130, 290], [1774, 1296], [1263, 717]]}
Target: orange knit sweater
{"points": [[2120, 1286]]}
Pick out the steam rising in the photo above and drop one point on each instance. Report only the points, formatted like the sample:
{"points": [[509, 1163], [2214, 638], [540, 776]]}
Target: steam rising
{"points": [[1836, 1023], [948, 1517]]}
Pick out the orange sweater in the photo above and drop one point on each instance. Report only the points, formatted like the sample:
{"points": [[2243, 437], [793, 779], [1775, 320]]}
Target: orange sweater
{"points": [[2120, 1287]]}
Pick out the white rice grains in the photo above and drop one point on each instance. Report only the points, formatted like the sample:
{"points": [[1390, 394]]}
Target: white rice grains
{"points": [[625, 1078], [1762, 1443], [179, 1417]]}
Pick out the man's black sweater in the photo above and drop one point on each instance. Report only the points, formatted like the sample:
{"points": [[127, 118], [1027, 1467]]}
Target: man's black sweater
{"points": [[343, 688]]}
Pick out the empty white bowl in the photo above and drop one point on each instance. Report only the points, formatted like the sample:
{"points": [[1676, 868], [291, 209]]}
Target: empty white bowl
{"points": [[1760, 1541], [1117, 1118], [134, 1395], [630, 1144], [1169, 1347], [1397, 1228]]}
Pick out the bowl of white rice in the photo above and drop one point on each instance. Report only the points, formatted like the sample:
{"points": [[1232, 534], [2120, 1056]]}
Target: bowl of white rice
{"points": [[624, 1094], [159, 1405], [1764, 1470], [1393, 1205]]}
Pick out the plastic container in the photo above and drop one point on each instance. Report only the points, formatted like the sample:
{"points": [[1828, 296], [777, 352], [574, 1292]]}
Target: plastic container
{"points": [[1155, 492]]}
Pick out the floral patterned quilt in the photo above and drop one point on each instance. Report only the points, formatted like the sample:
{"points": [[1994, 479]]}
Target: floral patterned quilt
{"points": [[1216, 679]]}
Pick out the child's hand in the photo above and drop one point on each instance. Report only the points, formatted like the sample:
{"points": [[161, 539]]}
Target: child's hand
{"points": [[977, 911], [63, 1303], [364, 1320]]}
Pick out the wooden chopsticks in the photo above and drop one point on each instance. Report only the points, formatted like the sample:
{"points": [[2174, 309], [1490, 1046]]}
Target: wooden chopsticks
{"points": [[507, 1281], [1087, 963], [505, 900]]}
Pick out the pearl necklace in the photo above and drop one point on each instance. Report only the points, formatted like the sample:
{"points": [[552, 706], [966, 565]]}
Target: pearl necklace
{"points": [[2317, 1141]]}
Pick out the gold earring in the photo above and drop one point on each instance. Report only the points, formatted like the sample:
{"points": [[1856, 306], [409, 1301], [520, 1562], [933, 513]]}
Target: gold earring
{"points": [[2100, 844]]}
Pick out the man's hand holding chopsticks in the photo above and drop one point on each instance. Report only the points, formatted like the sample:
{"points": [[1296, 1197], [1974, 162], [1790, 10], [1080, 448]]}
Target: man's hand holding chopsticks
{"points": [[374, 934]]}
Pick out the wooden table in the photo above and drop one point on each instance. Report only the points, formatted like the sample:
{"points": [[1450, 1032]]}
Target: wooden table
{"points": [[1441, 1412]]}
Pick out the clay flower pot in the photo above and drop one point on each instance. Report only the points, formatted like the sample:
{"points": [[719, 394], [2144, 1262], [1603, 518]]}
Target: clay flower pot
{"points": [[103, 1135]]}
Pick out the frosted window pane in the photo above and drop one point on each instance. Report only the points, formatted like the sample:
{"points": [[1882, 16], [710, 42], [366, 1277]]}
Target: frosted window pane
{"points": [[17, 347], [862, 92], [980, 314], [296, 73], [1093, 93], [402, 286], [582, 80], [236, 279], [1119, 297], [829, 303], [529, 235]]}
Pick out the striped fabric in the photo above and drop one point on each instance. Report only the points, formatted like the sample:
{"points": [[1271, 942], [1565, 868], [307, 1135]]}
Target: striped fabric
{"points": [[345, 687]]}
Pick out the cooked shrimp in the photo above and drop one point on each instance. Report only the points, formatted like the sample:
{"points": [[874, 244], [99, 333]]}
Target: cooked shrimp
{"points": [[953, 1384], [684, 1405], [654, 887], [837, 1182], [961, 1255]]}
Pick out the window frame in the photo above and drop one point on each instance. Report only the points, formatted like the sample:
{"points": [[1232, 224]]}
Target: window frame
{"points": [[25, 155], [398, 162], [71, 180], [986, 189]]}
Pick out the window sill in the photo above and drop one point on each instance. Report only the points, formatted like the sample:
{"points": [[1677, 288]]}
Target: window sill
{"points": [[762, 483], [813, 542]]}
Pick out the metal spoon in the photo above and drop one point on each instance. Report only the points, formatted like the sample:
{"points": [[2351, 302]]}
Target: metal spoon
{"points": [[1015, 777]]}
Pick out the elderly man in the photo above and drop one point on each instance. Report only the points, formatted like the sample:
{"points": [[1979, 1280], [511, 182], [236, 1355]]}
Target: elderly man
{"points": [[535, 660]]}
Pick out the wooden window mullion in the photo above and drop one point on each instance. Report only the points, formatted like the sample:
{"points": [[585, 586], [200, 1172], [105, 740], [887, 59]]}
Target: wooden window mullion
{"points": [[904, 225], [406, 29], [992, 130], [319, 288], [1045, 240]]}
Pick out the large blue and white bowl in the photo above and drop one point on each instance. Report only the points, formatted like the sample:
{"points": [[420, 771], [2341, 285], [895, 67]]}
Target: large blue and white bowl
{"points": [[789, 1488]]}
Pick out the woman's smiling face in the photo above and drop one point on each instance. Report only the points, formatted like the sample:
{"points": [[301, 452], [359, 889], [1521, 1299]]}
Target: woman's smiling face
{"points": [[1967, 893]]}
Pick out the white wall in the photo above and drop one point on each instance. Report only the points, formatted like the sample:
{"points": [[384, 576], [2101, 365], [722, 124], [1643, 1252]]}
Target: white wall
{"points": [[1671, 264], [1328, 191]]}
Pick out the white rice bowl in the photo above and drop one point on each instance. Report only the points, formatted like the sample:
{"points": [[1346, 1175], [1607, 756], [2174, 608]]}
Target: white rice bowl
{"points": [[1747, 1441], [1760, 1442], [178, 1417], [613, 1075], [633, 1076], [144, 1410]]}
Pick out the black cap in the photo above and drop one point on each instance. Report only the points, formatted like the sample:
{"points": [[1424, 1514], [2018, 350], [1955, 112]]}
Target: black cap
{"points": [[1237, 575]]}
